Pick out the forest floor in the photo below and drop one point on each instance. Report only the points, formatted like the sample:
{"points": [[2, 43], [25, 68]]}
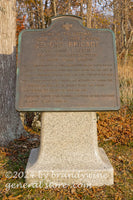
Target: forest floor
{"points": [[115, 132]]}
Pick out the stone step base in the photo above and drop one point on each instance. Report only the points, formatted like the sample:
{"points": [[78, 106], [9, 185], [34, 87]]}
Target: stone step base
{"points": [[94, 175]]}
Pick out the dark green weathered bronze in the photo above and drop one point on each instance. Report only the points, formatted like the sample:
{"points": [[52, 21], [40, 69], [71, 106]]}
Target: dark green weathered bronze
{"points": [[67, 67]]}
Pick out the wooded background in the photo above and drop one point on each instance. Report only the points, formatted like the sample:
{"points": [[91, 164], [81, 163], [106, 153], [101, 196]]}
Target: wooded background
{"points": [[112, 14]]}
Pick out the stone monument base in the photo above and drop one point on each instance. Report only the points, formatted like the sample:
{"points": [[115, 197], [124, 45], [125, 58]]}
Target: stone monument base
{"points": [[69, 152], [92, 175]]}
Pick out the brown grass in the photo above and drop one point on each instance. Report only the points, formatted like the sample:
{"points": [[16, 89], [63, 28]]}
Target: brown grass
{"points": [[125, 73]]}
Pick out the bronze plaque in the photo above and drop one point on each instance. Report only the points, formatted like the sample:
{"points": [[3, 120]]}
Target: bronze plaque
{"points": [[67, 67]]}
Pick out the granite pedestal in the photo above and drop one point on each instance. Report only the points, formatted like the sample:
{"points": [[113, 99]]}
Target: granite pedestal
{"points": [[69, 152]]}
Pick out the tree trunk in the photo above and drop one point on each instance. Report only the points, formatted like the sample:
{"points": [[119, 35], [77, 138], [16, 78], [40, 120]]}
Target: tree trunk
{"points": [[89, 13], [69, 7], [115, 11], [54, 2], [94, 15], [81, 8], [31, 18], [10, 123], [126, 6], [42, 14]]}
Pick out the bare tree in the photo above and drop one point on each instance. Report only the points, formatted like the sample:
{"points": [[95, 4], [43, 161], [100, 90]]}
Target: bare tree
{"points": [[81, 8], [42, 14], [54, 2], [69, 7], [89, 13], [10, 123]]}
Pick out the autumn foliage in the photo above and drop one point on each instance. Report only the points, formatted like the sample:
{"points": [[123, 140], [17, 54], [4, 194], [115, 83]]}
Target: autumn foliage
{"points": [[116, 126], [20, 25]]}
